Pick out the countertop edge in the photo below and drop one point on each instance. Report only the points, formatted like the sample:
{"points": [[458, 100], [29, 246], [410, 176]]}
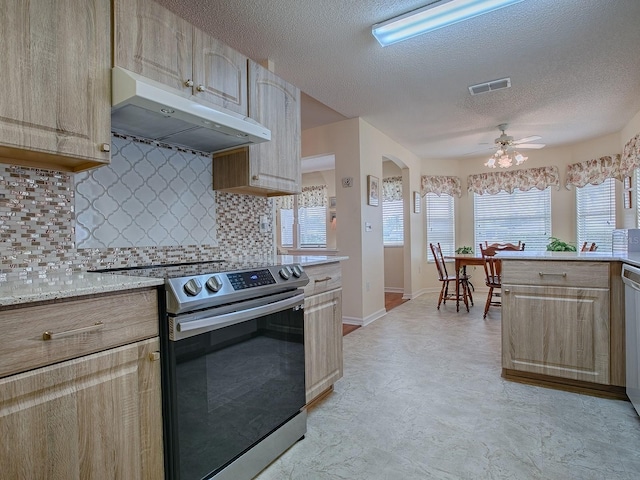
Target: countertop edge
{"points": [[67, 286]]}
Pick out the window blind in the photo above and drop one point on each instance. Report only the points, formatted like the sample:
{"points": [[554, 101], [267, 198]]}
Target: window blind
{"points": [[440, 221], [392, 211], [313, 226], [286, 227], [596, 214], [511, 217], [392, 223]]}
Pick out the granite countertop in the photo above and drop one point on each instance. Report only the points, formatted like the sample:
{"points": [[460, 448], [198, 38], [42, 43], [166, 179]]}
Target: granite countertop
{"points": [[37, 287], [28, 288], [631, 258], [309, 260]]}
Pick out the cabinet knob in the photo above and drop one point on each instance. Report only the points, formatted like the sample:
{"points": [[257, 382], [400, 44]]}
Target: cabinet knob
{"points": [[255, 177], [507, 290], [105, 147], [200, 88], [154, 356], [188, 83]]}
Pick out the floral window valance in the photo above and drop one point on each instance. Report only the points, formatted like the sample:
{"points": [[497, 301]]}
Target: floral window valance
{"points": [[595, 171], [440, 185], [630, 156], [391, 189], [526, 179], [311, 196]]}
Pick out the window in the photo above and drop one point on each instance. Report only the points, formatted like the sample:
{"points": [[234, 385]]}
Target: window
{"points": [[440, 220], [309, 211], [512, 217], [596, 214], [392, 212]]}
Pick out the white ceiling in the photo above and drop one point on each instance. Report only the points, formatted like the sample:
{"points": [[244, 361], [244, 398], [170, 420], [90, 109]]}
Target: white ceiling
{"points": [[574, 67]]}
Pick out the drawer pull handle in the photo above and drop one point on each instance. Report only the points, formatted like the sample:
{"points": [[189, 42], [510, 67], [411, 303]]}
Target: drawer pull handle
{"points": [[75, 331], [563, 274], [325, 279]]}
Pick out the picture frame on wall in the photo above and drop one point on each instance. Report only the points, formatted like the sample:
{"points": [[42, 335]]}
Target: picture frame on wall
{"points": [[332, 202], [416, 202], [373, 190]]}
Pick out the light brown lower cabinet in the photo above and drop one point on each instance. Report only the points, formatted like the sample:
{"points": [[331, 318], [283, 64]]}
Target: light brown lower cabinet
{"points": [[323, 341], [557, 331], [94, 417], [563, 323]]}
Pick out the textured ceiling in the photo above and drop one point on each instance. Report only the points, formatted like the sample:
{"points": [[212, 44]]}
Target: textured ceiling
{"points": [[574, 67]]}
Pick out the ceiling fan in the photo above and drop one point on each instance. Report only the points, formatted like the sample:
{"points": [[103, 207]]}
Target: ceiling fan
{"points": [[505, 141], [506, 153]]}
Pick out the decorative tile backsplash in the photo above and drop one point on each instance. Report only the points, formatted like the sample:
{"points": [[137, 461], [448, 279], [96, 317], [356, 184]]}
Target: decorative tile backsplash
{"points": [[147, 196], [38, 222]]}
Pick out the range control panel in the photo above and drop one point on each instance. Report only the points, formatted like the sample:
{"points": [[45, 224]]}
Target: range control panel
{"points": [[254, 278], [207, 290]]}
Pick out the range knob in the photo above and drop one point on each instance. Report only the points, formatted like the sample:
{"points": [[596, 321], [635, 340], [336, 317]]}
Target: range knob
{"points": [[285, 272], [213, 284], [192, 287], [297, 271]]}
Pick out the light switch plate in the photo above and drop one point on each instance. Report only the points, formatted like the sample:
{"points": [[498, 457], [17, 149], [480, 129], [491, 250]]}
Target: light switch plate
{"points": [[367, 227], [347, 182]]}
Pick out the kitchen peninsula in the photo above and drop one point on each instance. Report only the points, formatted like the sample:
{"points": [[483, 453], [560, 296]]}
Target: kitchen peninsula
{"points": [[563, 320]]}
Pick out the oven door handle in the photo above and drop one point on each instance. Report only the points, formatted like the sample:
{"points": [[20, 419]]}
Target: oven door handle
{"points": [[188, 328]]}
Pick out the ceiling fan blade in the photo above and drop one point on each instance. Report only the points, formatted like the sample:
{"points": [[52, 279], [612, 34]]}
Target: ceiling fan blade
{"points": [[530, 145], [532, 138]]}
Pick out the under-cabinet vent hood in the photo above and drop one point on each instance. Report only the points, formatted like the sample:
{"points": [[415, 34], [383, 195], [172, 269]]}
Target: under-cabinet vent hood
{"points": [[148, 109]]}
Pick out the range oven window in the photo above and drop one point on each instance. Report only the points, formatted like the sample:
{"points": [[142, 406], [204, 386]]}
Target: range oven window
{"points": [[232, 387]]}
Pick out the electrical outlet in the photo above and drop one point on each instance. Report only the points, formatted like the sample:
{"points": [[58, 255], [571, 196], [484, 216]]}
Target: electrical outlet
{"points": [[347, 182], [264, 224]]}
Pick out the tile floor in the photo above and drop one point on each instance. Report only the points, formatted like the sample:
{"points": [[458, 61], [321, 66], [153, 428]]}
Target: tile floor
{"points": [[422, 398]]}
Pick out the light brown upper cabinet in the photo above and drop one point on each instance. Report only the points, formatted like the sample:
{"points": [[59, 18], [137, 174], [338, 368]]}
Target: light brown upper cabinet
{"points": [[155, 43], [269, 168], [55, 107]]}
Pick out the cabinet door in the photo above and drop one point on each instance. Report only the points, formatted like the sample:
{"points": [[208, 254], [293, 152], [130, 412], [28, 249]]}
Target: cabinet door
{"points": [[274, 103], [154, 42], [322, 341], [561, 332], [97, 416], [56, 97], [219, 73]]}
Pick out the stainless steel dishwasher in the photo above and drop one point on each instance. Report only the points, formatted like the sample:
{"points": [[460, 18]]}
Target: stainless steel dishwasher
{"points": [[631, 279]]}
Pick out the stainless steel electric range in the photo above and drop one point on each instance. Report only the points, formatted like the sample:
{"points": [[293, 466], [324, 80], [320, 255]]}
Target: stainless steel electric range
{"points": [[232, 366]]}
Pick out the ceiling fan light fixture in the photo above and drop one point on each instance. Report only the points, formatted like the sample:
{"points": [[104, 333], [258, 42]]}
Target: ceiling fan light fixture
{"points": [[505, 158], [438, 14]]}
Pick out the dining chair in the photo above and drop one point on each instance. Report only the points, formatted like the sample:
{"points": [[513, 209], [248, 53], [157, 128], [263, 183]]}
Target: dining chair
{"points": [[591, 248], [445, 278], [493, 279]]}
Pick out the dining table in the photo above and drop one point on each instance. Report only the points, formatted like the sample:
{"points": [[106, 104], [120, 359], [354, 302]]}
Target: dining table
{"points": [[462, 260]]}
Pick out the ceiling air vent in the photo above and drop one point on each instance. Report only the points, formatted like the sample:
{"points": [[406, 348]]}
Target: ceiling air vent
{"points": [[490, 86]]}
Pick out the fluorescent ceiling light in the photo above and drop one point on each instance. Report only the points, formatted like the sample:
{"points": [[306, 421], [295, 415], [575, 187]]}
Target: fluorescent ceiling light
{"points": [[435, 15]]}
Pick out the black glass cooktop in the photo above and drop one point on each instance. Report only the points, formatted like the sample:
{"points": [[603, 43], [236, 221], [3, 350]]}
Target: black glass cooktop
{"points": [[187, 269]]}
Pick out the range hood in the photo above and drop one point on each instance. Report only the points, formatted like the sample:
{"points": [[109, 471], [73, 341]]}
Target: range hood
{"points": [[148, 109]]}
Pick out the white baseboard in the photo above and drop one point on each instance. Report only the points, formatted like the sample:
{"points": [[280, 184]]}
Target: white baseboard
{"points": [[393, 290]]}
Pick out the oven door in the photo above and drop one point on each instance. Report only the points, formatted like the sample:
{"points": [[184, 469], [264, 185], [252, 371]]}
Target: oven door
{"points": [[235, 375]]}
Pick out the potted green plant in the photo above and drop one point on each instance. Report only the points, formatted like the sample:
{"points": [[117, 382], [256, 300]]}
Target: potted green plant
{"points": [[464, 249], [557, 245]]}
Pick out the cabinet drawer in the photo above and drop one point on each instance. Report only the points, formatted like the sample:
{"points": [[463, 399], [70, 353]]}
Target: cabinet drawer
{"points": [[323, 278], [75, 328], [556, 273]]}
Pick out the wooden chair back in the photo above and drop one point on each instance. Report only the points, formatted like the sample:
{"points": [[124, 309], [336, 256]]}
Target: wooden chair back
{"points": [[591, 248], [439, 259], [507, 247], [492, 266]]}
